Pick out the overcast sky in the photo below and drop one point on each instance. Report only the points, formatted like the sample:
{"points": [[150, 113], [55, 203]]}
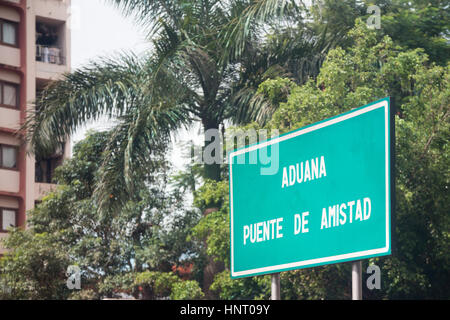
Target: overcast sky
{"points": [[99, 29]]}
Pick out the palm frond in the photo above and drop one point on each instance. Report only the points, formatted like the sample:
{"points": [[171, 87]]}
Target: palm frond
{"points": [[248, 19], [105, 87], [136, 150]]}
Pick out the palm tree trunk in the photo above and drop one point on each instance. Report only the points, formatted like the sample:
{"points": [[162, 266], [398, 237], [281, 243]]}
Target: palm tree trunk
{"points": [[212, 171]]}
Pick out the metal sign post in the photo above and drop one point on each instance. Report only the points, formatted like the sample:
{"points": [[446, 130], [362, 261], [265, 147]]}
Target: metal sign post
{"points": [[275, 286], [357, 280]]}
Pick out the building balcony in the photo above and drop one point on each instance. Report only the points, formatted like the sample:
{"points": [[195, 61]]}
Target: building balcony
{"points": [[45, 168], [50, 54], [44, 177], [44, 173], [48, 71], [50, 63], [52, 9], [51, 48]]}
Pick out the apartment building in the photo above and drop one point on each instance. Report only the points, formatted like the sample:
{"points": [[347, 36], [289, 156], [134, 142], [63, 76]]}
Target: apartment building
{"points": [[34, 50]]}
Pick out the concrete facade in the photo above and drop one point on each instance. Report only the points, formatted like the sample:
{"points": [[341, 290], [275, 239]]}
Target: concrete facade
{"points": [[34, 50]]}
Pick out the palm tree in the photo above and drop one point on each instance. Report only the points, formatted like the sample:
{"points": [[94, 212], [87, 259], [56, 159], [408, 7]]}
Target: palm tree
{"points": [[183, 79], [207, 60], [180, 81], [297, 40]]}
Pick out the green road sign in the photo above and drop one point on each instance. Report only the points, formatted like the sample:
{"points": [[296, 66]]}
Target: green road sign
{"points": [[328, 202]]}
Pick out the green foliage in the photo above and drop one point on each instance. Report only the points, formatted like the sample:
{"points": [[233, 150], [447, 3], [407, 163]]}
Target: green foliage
{"points": [[418, 24], [214, 227], [369, 70], [422, 221], [292, 42], [213, 194], [253, 288], [156, 284], [34, 267], [276, 90], [296, 43], [186, 290], [68, 228], [168, 245], [320, 283], [84, 294], [271, 61], [119, 283], [192, 174], [152, 285]]}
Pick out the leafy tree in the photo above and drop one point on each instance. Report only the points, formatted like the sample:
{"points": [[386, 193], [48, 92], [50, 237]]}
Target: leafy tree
{"points": [[211, 234], [213, 228], [277, 62], [331, 282], [252, 288], [34, 268], [418, 24], [186, 290], [300, 36], [371, 69], [292, 42], [183, 79], [207, 60], [213, 231], [153, 285], [108, 246]]}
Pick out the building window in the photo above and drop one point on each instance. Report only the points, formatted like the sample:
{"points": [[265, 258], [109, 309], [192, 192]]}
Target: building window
{"points": [[7, 219], [45, 169], [50, 43], [8, 157], [8, 33], [9, 94]]}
